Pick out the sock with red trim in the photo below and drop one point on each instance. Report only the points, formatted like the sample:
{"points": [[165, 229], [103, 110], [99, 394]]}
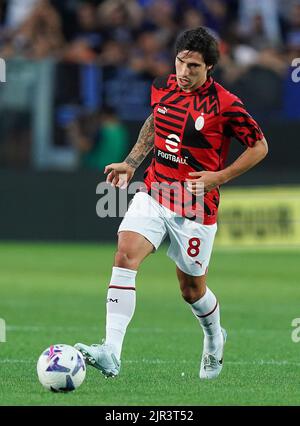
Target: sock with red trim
{"points": [[120, 306], [207, 311]]}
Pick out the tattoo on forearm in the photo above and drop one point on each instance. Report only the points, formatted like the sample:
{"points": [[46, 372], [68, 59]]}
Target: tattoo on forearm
{"points": [[143, 145]]}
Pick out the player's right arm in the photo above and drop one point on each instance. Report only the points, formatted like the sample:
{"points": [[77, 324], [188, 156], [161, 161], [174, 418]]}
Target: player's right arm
{"points": [[120, 174]]}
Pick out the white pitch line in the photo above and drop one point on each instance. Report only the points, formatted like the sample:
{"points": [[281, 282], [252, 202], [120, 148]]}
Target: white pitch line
{"points": [[16, 361], [256, 362], [181, 361], [38, 329]]}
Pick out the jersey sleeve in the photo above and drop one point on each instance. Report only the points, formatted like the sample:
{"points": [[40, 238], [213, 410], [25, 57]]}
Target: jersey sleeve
{"points": [[241, 124]]}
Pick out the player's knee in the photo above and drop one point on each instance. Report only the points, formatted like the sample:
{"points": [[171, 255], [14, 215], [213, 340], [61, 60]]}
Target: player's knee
{"points": [[191, 291], [124, 259], [190, 295]]}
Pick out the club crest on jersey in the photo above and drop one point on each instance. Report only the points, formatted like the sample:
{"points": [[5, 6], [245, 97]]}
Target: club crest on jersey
{"points": [[172, 142], [162, 110], [199, 123]]}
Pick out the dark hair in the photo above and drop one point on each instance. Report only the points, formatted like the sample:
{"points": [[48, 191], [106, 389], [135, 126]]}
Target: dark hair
{"points": [[199, 40]]}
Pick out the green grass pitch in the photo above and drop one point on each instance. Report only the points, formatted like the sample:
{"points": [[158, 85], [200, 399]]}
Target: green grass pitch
{"points": [[53, 293]]}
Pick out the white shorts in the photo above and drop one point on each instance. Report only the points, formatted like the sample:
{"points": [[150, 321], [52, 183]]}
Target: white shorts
{"points": [[190, 242]]}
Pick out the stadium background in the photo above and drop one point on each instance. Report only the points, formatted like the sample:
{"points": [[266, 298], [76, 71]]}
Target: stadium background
{"points": [[67, 61], [78, 76]]}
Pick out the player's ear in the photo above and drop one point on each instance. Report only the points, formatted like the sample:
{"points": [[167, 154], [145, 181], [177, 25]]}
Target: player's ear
{"points": [[209, 67]]}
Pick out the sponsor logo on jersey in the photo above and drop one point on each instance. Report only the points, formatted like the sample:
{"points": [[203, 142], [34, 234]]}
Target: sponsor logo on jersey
{"points": [[172, 157], [172, 143], [163, 110]]}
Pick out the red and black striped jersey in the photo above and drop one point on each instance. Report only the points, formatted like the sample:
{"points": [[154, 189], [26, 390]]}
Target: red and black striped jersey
{"points": [[192, 133]]}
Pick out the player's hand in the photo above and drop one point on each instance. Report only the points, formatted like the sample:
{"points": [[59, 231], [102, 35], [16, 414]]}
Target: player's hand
{"points": [[203, 182], [119, 174]]}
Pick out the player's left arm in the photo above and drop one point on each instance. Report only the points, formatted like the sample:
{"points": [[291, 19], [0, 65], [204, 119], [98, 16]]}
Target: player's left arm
{"points": [[248, 159], [209, 180]]}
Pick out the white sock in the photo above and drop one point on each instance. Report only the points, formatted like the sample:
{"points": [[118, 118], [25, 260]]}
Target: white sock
{"points": [[120, 306], [207, 311]]}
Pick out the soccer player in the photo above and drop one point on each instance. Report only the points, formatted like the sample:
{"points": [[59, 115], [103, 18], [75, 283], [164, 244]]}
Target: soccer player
{"points": [[189, 133]]}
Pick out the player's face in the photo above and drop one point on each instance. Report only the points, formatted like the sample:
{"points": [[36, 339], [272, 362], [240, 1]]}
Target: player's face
{"points": [[191, 70]]}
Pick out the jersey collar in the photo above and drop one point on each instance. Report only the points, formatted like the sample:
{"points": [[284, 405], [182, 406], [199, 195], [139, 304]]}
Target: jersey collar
{"points": [[206, 85], [200, 89]]}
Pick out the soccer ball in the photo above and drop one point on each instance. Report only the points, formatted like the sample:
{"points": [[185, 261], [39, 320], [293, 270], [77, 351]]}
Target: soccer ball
{"points": [[61, 368]]}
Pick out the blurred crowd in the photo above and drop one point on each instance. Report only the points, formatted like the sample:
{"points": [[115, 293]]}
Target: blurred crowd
{"points": [[258, 40], [140, 34]]}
